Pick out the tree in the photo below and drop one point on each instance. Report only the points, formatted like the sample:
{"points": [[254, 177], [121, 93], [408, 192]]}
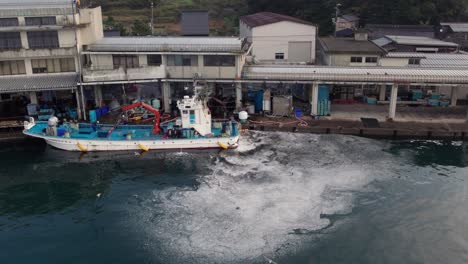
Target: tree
{"points": [[140, 28]]}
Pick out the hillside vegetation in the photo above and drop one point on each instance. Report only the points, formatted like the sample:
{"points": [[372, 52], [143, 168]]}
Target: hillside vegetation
{"points": [[225, 13]]}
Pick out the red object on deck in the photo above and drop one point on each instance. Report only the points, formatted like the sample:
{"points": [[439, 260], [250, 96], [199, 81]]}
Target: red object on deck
{"points": [[157, 119]]}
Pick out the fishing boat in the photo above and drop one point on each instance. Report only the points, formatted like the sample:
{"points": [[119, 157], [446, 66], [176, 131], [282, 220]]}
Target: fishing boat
{"points": [[194, 129]]}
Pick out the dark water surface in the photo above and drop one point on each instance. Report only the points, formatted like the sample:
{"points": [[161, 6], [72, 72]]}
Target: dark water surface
{"points": [[287, 198]]}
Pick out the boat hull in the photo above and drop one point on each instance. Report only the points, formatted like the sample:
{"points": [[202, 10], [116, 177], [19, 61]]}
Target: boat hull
{"points": [[85, 145]]}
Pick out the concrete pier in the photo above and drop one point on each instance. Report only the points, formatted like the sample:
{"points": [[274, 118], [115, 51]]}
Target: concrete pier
{"points": [[387, 130]]}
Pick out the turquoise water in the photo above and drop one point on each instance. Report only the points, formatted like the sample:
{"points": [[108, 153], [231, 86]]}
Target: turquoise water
{"points": [[288, 198]]}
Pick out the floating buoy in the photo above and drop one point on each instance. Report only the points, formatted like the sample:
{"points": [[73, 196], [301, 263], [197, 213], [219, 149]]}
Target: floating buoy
{"points": [[222, 145], [81, 147], [144, 148]]}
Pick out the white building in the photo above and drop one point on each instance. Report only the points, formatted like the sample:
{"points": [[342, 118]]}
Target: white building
{"points": [[161, 67], [40, 43], [279, 38]]}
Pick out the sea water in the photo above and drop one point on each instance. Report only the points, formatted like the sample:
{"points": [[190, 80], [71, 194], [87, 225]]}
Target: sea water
{"points": [[278, 198]]}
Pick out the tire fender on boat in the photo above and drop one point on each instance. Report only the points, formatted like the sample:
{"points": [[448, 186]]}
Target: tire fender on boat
{"points": [[223, 146], [81, 147], [143, 147]]}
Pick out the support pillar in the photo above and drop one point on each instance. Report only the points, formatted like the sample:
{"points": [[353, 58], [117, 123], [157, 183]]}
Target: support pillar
{"points": [[33, 97], [393, 102], [238, 96], [314, 99], [78, 107], [454, 96], [83, 102], [382, 92], [167, 97]]}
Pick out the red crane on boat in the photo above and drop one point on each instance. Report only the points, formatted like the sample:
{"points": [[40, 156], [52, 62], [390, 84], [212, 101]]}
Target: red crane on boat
{"points": [[157, 119]]}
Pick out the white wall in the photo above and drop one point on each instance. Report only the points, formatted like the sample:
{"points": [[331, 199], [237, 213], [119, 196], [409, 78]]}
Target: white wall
{"points": [[345, 60], [274, 38], [394, 62]]}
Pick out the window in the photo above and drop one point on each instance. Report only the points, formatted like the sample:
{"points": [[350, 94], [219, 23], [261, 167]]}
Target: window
{"points": [[10, 40], [53, 65], [12, 67], [220, 60], [40, 21], [414, 61], [356, 59], [8, 22], [279, 56], [125, 61], [371, 59], [182, 60], [154, 60], [43, 40]]}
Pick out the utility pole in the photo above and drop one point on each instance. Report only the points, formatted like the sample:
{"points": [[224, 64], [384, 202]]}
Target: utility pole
{"points": [[152, 18]]}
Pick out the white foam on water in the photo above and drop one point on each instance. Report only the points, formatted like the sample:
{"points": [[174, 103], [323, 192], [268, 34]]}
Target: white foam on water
{"points": [[250, 204]]}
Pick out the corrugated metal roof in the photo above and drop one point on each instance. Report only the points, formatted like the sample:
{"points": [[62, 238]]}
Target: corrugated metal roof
{"points": [[265, 18], [33, 3], [457, 27], [440, 56], [11, 8], [331, 44], [195, 23], [434, 60], [61, 81], [357, 74], [420, 41], [167, 44], [383, 41]]}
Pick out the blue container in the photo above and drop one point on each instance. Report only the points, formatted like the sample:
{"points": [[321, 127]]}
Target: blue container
{"points": [[371, 100], [298, 113], [92, 116], [98, 113], [104, 110], [73, 114], [258, 99], [61, 131], [324, 92]]}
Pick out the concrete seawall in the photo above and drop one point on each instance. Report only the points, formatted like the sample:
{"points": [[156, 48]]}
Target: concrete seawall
{"points": [[386, 130]]}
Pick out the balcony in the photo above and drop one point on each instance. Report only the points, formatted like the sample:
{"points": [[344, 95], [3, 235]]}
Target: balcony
{"points": [[108, 74], [31, 53]]}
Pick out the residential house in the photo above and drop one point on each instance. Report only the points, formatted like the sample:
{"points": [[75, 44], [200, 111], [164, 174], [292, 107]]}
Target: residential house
{"points": [[349, 21], [279, 38], [357, 51], [455, 32], [393, 43]]}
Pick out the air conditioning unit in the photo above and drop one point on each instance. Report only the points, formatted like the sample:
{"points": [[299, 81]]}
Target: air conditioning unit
{"points": [[197, 75]]}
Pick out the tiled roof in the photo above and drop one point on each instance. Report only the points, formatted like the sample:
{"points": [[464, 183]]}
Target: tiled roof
{"points": [[420, 41], [379, 30], [167, 44], [265, 18], [350, 18], [39, 82], [348, 45]]}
